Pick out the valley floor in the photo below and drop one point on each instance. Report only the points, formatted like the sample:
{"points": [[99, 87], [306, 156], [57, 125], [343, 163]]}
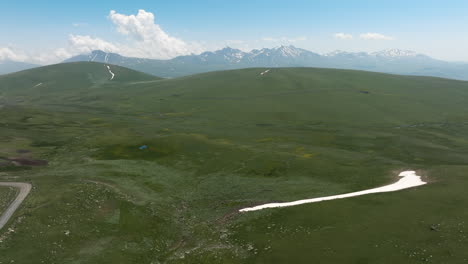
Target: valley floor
{"points": [[143, 170]]}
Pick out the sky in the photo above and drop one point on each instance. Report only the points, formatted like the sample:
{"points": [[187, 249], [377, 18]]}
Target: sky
{"points": [[46, 32]]}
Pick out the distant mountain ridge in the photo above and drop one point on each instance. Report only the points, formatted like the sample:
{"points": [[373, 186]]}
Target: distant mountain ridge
{"points": [[14, 66], [388, 61]]}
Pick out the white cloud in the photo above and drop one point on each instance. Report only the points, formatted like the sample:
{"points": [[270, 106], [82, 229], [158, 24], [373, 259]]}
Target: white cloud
{"points": [[375, 36], [235, 41], [284, 39], [342, 36], [55, 56], [7, 53], [145, 39], [86, 44], [77, 44], [80, 24], [149, 40]]}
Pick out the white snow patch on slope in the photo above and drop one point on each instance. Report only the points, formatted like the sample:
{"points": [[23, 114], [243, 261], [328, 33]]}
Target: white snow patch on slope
{"points": [[395, 53], [95, 55], [37, 85], [265, 72], [409, 180], [112, 74]]}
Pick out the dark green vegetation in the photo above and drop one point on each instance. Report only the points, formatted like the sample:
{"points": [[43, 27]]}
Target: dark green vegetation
{"points": [[221, 141]]}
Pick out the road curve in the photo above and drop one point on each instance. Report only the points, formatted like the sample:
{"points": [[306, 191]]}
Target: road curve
{"points": [[24, 189], [409, 180]]}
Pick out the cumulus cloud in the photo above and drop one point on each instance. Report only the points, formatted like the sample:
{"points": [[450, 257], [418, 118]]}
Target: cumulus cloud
{"points": [[375, 36], [9, 54], [342, 36], [144, 38], [86, 44], [149, 39], [54, 56], [77, 44], [284, 39], [80, 24]]}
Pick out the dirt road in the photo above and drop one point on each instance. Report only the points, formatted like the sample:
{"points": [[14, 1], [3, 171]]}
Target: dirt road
{"points": [[24, 189]]}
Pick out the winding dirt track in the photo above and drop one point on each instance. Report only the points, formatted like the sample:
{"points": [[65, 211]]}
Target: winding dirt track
{"points": [[24, 189]]}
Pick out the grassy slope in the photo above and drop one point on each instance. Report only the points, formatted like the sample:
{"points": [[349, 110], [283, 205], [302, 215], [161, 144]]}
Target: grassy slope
{"points": [[221, 141]]}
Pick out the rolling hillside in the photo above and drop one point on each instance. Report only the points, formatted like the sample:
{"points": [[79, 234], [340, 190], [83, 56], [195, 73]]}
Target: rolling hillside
{"points": [[142, 169]]}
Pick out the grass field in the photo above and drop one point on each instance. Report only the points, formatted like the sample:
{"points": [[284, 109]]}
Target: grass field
{"points": [[221, 141]]}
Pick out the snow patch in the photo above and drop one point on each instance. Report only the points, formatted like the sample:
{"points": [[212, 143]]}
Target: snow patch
{"points": [[95, 55], [265, 72], [395, 53], [112, 74], [388, 53], [37, 85], [290, 51], [409, 180]]}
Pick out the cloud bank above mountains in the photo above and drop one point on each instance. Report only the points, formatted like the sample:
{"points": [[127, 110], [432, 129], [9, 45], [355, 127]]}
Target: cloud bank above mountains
{"points": [[364, 36], [9, 54], [148, 39], [140, 36]]}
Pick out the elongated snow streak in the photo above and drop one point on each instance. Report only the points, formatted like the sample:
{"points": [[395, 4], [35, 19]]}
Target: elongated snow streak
{"points": [[37, 85], [94, 57], [409, 180], [106, 59], [112, 77], [265, 72]]}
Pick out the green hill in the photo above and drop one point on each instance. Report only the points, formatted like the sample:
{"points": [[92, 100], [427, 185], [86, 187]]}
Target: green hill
{"points": [[69, 76], [142, 169]]}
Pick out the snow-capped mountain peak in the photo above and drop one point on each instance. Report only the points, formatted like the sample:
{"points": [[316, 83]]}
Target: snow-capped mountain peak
{"points": [[335, 53], [395, 53], [390, 60], [388, 53], [289, 51], [228, 54]]}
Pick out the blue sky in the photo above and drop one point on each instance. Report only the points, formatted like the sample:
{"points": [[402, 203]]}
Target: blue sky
{"points": [[47, 31]]}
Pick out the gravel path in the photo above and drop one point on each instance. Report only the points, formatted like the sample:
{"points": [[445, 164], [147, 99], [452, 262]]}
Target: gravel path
{"points": [[24, 189]]}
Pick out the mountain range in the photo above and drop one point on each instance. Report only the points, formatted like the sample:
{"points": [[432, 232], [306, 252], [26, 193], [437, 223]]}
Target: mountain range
{"points": [[14, 66], [394, 61], [388, 61]]}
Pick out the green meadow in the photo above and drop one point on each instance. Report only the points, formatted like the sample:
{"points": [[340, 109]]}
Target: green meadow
{"points": [[140, 169]]}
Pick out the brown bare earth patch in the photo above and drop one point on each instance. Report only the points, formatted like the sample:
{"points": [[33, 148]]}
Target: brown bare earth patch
{"points": [[29, 162], [24, 162]]}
